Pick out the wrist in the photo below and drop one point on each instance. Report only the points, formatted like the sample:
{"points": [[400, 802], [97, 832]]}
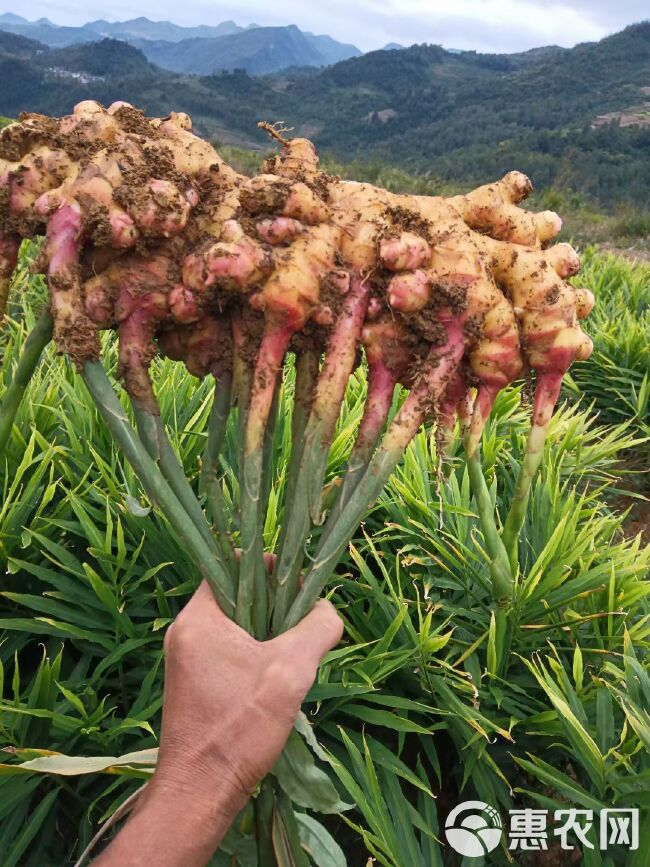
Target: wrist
{"points": [[210, 782], [173, 824], [197, 803], [205, 775]]}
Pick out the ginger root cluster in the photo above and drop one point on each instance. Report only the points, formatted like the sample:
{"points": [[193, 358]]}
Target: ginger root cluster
{"points": [[149, 232]]}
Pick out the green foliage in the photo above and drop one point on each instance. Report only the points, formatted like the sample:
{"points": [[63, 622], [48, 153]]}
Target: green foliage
{"points": [[426, 703], [247, 162], [397, 180], [617, 375], [370, 172], [95, 60], [632, 224]]}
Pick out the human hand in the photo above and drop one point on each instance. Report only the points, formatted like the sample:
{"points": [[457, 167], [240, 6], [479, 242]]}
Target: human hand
{"points": [[229, 705], [230, 701]]}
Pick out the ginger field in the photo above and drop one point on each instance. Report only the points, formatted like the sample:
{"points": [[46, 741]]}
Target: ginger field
{"points": [[421, 707]]}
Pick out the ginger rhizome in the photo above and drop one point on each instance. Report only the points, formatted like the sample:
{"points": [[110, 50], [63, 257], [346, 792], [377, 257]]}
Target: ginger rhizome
{"points": [[149, 233]]}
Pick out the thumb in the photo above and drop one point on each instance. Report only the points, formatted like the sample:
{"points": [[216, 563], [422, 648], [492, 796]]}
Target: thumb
{"points": [[315, 635]]}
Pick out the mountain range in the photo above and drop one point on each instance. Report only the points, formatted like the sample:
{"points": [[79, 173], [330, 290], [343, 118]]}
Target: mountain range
{"points": [[202, 50], [570, 118]]}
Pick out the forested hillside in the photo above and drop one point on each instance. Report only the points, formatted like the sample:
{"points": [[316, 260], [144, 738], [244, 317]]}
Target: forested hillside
{"points": [[553, 113], [470, 116]]}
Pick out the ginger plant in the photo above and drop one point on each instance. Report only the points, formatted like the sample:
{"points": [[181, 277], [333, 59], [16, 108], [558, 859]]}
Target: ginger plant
{"points": [[149, 233]]}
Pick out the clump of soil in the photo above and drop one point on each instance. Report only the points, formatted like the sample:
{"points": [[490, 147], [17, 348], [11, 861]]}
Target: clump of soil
{"points": [[134, 121], [410, 221]]}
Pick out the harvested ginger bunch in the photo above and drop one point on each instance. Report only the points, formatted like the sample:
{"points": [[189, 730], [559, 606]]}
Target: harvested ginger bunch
{"points": [[148, 232]]}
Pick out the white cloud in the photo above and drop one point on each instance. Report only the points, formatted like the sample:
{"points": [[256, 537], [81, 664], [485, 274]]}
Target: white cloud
{"points": [[483, 25]]}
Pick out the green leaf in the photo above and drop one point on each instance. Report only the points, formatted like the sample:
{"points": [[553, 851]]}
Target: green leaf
{"points": [[135, 508], [386, 759], [319, 844], [400, 810], [384, 718], [492, 661], [30, 830], [287, 845], [124, 648], [550, 776], [48, 626], [578, 669], [74, 700], [131, 723], [70, 766], [605, 724], [585, 749], [305, 783], [304, 728]]}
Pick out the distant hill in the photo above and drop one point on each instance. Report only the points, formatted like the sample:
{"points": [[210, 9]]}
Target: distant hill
{"points": [[203, 50], [135, 28], [258, 51], [45, 31], [573, 118], [20, 46], [108, 58], [330, 50], [143, 28]]}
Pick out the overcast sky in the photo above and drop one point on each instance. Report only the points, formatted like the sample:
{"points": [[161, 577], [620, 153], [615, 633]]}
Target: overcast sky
{"points": [[484, 25]]}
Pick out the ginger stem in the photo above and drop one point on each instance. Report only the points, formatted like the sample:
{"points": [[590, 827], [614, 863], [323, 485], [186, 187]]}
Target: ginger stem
{"points": [[329, 395], [443, 362], [546, 395], [306, 378], [330, 392], [31, 353], [155, 486], [8, 257], [381, 386], [262, 581], [264, 807], [209, 480], [241, 384], [502, 581], [154, 438], [269, 364]]}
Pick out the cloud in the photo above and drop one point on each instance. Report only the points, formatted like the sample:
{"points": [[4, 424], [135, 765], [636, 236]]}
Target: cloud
{"points": [[483, 25], [612, 14]]}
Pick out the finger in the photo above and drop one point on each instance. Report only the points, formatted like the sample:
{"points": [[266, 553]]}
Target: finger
{"points": [[315, 635], [203, 620], [267, 556], [203, 605]]}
